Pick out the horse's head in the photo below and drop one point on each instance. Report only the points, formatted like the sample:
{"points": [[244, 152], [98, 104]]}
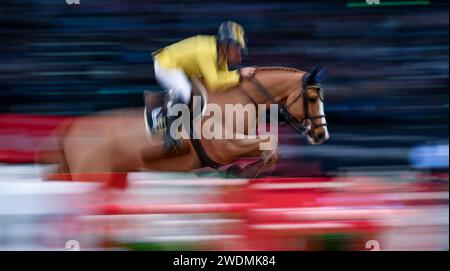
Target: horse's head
{"points": [[306, 109]]}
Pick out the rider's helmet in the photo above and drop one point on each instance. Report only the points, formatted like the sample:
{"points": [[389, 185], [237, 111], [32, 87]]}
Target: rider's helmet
{"points": [[232, 33]]}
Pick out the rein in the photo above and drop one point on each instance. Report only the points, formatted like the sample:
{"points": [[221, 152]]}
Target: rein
{"points": [[307, 122]]}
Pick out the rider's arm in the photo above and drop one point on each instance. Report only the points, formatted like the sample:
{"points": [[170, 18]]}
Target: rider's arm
{"points": [[215, 79]]}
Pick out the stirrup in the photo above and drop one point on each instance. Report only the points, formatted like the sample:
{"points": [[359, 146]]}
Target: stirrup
{"points": [[159, 122]]}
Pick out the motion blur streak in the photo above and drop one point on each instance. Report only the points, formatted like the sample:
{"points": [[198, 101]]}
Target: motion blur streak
{"points": [[382, 176]]}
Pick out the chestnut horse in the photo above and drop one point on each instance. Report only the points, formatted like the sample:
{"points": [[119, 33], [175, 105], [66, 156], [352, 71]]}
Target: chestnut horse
{"points": [[118, 140]]}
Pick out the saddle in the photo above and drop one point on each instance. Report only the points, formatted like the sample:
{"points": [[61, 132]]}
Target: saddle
{"points": [[153, 103]]}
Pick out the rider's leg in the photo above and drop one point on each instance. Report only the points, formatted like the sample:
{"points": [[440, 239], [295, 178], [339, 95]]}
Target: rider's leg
{"points": [[176, 80], [179, 86]]}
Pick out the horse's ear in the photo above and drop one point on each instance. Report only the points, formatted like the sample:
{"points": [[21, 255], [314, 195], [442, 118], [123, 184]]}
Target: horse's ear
{"points": [[320, 74], [314, 77]]}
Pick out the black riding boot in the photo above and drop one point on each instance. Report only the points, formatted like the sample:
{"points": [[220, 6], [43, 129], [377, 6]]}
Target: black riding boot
{"points": [[172, 146], [162, 122]]}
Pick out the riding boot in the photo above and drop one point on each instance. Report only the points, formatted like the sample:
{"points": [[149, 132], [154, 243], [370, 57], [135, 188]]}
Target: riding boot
{"points": [[162, 121], [172, 146]]}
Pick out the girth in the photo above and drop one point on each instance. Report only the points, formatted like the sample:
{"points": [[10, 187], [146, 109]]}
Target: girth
{"points": [[205, 160]]}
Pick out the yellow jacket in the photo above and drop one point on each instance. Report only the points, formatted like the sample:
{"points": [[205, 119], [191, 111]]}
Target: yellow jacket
{"points": [[197, 57]]}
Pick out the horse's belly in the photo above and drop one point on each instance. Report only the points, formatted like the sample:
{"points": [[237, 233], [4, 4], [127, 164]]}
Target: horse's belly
{"points": [[115, 143]]}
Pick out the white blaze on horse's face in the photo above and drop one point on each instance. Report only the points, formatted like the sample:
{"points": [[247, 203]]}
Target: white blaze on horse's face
{"points": [[318, 131]]}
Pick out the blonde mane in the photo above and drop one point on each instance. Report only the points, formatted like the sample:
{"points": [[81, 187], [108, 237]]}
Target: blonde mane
{"points": [[278, 68]]}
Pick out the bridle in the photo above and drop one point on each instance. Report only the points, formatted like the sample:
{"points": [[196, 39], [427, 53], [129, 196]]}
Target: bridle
{"points": [[305, 125]]}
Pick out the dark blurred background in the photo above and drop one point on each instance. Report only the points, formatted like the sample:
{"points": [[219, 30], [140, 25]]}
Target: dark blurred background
{"points": [[385, 165], [386, 86]]}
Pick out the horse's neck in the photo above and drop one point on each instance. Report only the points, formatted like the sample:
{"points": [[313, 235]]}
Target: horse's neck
{"points": [[277, 82]]}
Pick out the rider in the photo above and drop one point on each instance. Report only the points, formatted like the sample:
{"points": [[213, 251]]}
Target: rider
{"points": [[201, 56]]}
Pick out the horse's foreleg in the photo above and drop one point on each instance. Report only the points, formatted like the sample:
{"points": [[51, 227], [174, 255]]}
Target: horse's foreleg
{"points": [[252, 148], [266, 161]]}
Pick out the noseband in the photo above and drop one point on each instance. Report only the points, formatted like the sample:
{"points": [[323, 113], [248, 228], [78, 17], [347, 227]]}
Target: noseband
{"points": [[307, 123]]}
